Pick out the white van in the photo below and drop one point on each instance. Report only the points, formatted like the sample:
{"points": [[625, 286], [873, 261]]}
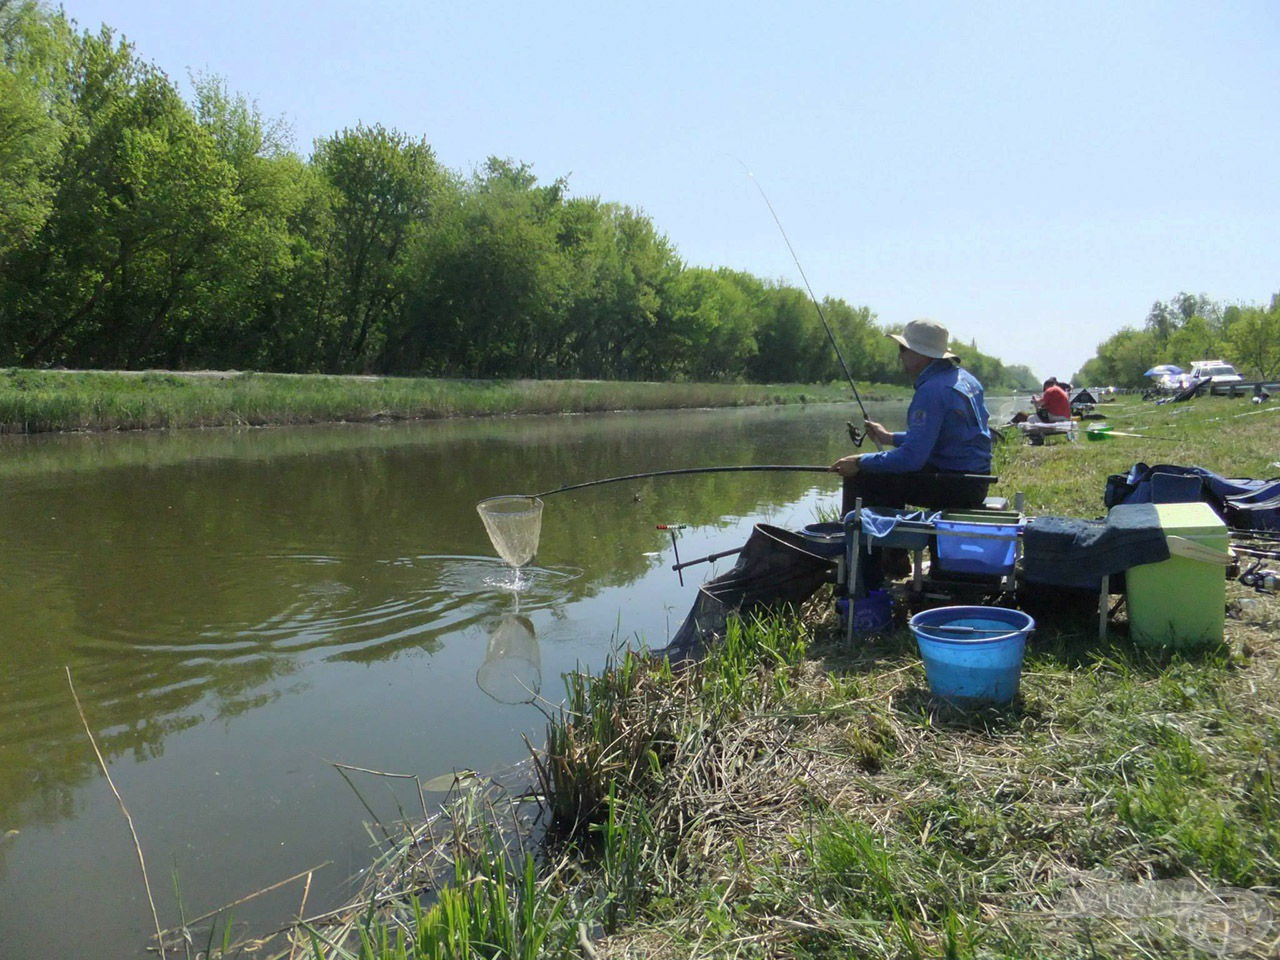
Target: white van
{"points": [[1215, 371]]}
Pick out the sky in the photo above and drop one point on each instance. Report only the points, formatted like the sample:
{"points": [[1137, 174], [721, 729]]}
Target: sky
{"points": [[1032, 175]]}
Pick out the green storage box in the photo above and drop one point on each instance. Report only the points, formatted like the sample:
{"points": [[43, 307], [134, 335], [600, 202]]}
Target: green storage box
{"points": [[1181, 602]]}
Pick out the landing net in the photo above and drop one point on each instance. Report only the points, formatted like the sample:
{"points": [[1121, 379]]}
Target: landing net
{"points": [[514, 525]]}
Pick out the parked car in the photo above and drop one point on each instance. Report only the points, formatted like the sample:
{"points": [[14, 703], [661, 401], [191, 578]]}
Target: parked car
{"points": [[1215, 371]]}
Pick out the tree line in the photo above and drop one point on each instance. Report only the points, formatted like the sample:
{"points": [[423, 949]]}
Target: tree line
{"points": [[138, 230], [1188, 328]]}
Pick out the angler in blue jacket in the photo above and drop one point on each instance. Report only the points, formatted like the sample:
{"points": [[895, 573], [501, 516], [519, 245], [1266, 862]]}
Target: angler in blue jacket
{"points": [[934, 461]]}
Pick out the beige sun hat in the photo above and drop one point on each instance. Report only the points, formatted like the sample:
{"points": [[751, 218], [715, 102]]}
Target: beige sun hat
{"points": [[925, 337]]}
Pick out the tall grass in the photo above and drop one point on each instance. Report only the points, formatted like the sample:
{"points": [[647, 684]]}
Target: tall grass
{"points": [[35, 401]]}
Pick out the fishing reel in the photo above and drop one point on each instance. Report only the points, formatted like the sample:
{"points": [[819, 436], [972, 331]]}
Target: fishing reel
{"points": [[856, 435], [1261, 580]]}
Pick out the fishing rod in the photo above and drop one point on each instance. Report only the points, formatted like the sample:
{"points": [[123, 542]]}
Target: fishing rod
{"points": [[856, 435], [1256, 552], [683, 471], [1265, 536]]}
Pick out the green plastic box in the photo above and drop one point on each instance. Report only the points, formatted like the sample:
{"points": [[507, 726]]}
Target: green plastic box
{"points": [[1181, 602]]}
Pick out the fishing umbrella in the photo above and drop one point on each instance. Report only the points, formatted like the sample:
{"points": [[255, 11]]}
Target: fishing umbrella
{"points": [[1163, 370]]}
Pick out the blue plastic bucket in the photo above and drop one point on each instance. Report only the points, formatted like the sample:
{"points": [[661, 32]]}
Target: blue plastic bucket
{"points": [[973, 653]]}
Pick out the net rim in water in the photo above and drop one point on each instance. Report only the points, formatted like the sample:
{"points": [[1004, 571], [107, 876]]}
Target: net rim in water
{"points": [[533, 505], [514, 532]]}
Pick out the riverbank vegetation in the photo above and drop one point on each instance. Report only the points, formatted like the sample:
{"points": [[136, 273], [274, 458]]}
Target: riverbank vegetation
{"points": [[792, 796], [140, 231], [39, 401]]}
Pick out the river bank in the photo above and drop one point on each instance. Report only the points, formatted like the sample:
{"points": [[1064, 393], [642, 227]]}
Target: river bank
{"points": [[793, 797], [41, 401]]}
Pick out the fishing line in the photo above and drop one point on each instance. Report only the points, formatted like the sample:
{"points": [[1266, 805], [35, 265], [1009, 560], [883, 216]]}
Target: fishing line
{"points": [[857, 436]]}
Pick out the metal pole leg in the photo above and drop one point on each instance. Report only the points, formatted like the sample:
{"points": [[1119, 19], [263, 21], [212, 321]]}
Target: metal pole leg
{"points": [[1104, 599]]}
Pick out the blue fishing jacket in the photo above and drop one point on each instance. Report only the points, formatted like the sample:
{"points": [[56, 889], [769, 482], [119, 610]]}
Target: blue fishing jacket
{"points": [[946, 426]]}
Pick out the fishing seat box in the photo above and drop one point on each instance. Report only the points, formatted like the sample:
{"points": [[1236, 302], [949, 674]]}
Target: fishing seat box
{"points": [[1180, 602]]}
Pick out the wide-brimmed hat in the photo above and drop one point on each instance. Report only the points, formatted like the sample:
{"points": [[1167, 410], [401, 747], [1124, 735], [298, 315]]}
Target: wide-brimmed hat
{"points": [[925, 337]]}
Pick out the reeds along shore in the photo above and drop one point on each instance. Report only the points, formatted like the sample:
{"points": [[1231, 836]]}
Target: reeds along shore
{"points": [[37, 401], [791, 796]]}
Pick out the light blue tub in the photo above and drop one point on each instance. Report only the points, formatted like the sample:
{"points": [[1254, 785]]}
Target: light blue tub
{"points": [[973, 653]]}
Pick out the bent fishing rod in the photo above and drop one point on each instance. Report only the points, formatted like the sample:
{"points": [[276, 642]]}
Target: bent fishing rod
{"points": [[856, 435], [778, 468], [683, 471]]}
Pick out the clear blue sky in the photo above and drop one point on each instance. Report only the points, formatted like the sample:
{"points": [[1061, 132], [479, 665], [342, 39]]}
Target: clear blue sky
{"points": [[1032, 175]]}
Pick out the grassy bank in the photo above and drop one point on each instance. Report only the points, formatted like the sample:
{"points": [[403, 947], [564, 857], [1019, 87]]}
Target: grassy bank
{"points": [[36, 401], [794, 797]]}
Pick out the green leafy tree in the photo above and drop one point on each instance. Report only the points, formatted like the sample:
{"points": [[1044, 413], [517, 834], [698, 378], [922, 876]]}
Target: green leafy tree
{"points": [[141, 196], [789, 337], [633, 307], [490, 281], [1164, 320], [586, 236], [1187, 328], [1194, 339], [1124, 358], [1094, 373], [1021, 377], [1254, 336], [859, 340], [138, 230], [30, 130], [256, 315], [383, 186], [712, 335]]}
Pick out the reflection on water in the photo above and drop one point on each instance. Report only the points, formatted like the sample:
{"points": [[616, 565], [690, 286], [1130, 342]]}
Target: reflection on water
{"points": [[239, 609], [512, 668]]}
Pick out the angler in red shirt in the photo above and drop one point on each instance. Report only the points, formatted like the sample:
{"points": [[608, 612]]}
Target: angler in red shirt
{"points": [[1053, 405]]}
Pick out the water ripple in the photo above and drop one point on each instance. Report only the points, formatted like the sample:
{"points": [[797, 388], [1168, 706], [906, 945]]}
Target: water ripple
{"points": [[405, 602]]}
